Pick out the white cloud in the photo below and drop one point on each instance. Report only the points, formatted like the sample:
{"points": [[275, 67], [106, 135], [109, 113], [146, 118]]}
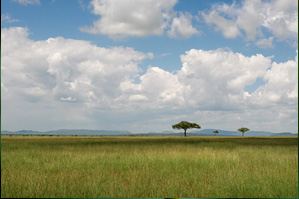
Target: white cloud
{"points": [[252, 16], [228, 28], [6, 18], [61, 69], [66, 83], [138, 98], [27, 2], [136, 18], [281, 85], [216, 79], [158, 90], [282, 21], [265, 43], [68, 99], [209, 89], [208, 80], [181, 27]]}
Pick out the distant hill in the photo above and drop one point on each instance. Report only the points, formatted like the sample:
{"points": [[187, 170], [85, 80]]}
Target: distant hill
{"points": [[67, 132], [284, 134], [203, 132], [209, 132]]}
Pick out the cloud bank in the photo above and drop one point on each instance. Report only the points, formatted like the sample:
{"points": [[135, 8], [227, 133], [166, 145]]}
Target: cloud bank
{"points": [[70, 83]]}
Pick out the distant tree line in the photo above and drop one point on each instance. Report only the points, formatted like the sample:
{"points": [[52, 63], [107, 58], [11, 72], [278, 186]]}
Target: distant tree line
{"points": [[188, 125]]}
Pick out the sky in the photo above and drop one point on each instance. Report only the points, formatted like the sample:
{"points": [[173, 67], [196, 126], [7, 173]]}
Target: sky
{"points": [[144, 65]]}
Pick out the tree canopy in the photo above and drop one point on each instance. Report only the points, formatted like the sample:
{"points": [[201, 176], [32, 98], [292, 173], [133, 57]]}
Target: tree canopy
{"points": [[243, 130], [185, 125]]}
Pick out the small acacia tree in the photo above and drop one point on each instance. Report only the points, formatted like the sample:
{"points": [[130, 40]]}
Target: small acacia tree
{"points": [[215, 132], [185, 125], [243, 130]]}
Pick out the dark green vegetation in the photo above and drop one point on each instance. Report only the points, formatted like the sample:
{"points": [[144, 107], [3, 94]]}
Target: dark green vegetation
{"points": [[243, 130], [153, 167], [215, 132], [185, 125]]}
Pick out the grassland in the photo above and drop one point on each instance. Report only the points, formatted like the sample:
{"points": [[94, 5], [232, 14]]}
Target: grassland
{"points": [[153, 167]]}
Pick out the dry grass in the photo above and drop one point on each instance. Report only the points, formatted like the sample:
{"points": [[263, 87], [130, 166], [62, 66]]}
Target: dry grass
{"points": [[155, 167]]}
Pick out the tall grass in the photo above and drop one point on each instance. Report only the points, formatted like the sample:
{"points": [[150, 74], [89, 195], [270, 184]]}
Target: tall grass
{"points": [[154, 167]]}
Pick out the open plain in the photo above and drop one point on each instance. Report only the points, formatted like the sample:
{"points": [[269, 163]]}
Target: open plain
{"points": [[149, 167]]}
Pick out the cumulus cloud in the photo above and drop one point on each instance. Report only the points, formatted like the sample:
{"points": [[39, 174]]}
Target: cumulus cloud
{"points": [[137, 18], [282, 19], [208, 80], [68, 83], [216, 79], [64, 69], [181, 27], [157, 89], [251, 17], [281, 85]]}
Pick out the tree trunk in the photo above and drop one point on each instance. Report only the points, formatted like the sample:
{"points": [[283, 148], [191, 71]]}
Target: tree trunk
{"points": [[185, 132], [242, 133]]}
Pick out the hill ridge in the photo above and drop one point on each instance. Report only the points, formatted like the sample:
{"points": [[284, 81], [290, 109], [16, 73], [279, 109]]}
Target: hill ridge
{"points": [[203, 132]]}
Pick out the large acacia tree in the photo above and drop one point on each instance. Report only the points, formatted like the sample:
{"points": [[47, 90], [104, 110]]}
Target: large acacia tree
{"points": [[243, 130], [185, 125]]}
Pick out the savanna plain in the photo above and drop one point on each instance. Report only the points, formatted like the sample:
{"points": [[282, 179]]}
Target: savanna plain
{"points": [[149, 167]]}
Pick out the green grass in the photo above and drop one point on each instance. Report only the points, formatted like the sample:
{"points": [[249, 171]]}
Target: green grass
{"points": [[149, 167]]}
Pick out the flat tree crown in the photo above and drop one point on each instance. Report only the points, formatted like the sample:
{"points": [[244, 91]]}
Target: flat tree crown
{"points": [[185, 125], [243, 129]]}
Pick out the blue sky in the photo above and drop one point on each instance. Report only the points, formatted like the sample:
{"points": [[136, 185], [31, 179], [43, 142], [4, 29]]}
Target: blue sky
{"points": [[145, 65]]}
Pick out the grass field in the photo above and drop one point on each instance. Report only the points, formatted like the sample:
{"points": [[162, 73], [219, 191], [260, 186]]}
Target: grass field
{"points": [[152, 167]]}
